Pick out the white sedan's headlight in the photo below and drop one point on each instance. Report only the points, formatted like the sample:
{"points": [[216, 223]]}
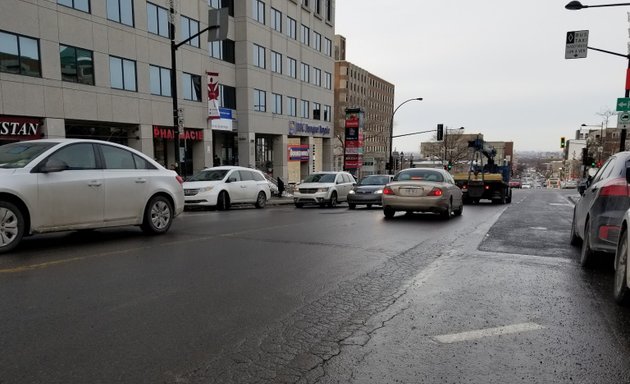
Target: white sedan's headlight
{"points": [[322, 189], [352, 192], [378, 192], [206, 189]]}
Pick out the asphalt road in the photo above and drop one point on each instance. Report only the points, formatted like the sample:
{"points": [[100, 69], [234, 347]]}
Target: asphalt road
{"points": [[315, 295]]}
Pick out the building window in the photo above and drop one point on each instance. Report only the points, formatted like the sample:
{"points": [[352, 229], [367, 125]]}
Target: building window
{"points": [[276, 20], [77, 65], [259, 56], [157, 19], [305, 35], [259, 11], [277, 104], [122, 73], [223, 50], [317, 76], [305, 72], [327, 113], [327, 80], [19, 54], [276, 62], [317, 41], [292, 67], [81, 5], [189, 28], [329, 10], [291, 106], [317, 110], [291, 28], [304, 112], [120, 11], [260, 100], [227, 96], [217, 4], [305, 3], [318, 7], [327, 47], [192, 87], [160, 79]]}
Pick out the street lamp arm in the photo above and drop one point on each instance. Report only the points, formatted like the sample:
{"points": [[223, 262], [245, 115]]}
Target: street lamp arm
{"points": [[196, 35], [391, 129], [609, 52], [576, 5], [414, 133]]}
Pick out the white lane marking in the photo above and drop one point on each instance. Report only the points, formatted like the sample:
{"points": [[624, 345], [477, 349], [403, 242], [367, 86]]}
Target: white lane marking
{"points": [[561, 204], [539, 228], [474, 335]]}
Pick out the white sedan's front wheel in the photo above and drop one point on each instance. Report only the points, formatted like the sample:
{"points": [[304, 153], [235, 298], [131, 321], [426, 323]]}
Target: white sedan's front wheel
{"points": [[11, 226]]}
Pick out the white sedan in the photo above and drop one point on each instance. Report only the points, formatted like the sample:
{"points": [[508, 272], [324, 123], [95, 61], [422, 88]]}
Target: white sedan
{"points": [[69, 184]]}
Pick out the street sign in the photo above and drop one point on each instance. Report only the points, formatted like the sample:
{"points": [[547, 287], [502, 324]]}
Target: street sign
{"points": [[623, 120], [577, 43], [623, 104]]}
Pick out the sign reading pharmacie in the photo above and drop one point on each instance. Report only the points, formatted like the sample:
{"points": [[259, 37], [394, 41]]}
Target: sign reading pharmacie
{"points": [[168, 133], [20, 128]]}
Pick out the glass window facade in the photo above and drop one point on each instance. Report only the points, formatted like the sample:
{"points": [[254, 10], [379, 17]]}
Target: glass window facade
{"points": [[19, 54], [192, 87], [160, 79], [189, 27], [122, 73], [77, 65], [260, 100], [157, 20], [120, 11]]}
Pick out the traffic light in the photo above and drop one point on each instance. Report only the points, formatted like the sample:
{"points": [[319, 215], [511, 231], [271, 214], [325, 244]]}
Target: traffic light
{"points": [[450, 165], [440, 132], [562, 142]]}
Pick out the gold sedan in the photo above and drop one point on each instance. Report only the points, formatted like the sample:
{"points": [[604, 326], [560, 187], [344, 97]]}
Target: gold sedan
{"points": [[423, 190]]}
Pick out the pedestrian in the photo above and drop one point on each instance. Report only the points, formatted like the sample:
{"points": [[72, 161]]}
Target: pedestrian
{"points": [[216, 161], [280, 186]]}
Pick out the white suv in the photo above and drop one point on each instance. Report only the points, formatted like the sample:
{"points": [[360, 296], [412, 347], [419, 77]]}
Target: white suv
{"points": [[324, 188], [221, 187]]}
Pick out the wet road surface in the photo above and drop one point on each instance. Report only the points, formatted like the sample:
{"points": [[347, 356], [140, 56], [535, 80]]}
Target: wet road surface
{"points": [[315, 295]]}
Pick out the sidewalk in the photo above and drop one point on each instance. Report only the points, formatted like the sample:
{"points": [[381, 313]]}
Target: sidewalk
{"points": [[285, 200]]}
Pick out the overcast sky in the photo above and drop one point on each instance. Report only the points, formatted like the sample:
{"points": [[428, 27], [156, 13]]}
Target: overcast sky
{"points": [[495, 67]]}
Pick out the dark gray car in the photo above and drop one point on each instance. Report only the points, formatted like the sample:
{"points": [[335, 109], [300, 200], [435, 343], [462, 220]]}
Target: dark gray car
{"points": [[369, 191], [598, 213]]}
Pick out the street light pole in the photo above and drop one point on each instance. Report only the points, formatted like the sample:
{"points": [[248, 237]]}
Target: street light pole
{"points": [[391, 134], [220, 16], [575, 6]]}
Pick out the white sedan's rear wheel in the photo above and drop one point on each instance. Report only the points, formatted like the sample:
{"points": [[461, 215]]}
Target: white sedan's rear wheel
{"points": [[158, 216]]}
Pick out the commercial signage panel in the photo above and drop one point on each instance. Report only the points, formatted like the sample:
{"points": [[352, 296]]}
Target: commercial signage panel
{"points": [[298, 152], [169, 134], [20, 128]]}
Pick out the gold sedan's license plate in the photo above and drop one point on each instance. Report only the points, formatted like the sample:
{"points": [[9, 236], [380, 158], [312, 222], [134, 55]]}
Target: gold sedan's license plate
{"points": [[411, 191]]}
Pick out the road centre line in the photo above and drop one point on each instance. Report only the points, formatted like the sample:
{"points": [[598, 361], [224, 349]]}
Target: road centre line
{"points": [[488, 332]]}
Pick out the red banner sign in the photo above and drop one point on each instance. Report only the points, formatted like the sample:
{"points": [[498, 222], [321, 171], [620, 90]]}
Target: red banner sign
{"points": [[21, 128], [169, 134]]}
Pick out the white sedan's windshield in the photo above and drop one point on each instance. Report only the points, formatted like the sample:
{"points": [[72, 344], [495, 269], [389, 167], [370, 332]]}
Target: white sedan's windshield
{"points": [[17, 155]]}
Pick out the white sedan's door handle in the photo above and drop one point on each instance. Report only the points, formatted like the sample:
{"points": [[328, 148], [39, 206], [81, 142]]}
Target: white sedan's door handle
{"points": [[95, 183], [141, 180], [243, 186]]}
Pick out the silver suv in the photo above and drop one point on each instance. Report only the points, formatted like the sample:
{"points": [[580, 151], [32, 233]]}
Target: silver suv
{"points": [[324, 188]]}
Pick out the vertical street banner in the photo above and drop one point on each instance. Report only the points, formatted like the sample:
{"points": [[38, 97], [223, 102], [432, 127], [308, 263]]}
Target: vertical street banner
{"points": [[353, 143], [213, 96]]}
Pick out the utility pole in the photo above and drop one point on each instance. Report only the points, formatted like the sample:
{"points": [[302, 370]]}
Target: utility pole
{"points": [[217, 20]]}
